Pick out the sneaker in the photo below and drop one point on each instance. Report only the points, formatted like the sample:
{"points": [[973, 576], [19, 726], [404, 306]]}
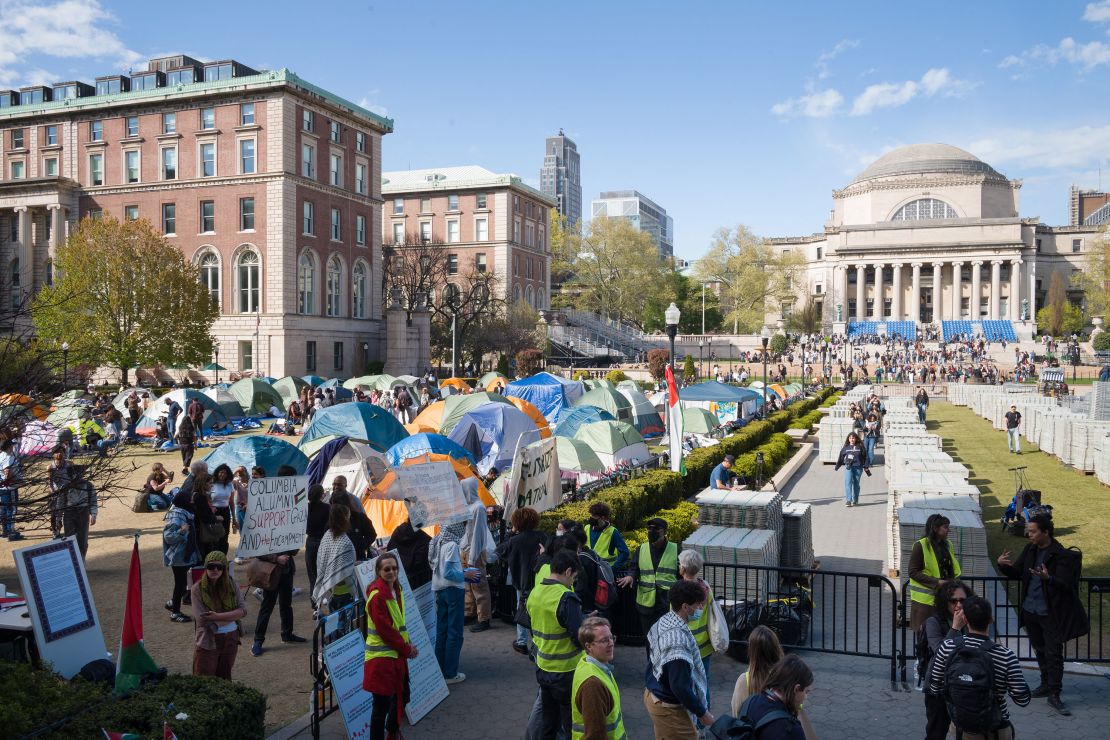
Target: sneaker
{"points": [[457, 678], [15, 537], [1040, 692], [470, 620], [256, 649], [297, 590], [480, 626], [169, 607], [293, 638], [520, 647], [179, 617], [1055, 702]]}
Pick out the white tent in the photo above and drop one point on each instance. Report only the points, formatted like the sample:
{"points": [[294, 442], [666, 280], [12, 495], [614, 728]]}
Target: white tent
{"points": [[360, 464]]}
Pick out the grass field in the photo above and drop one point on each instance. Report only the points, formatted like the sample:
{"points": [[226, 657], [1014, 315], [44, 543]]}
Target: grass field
{"points": [[1081, 505]]}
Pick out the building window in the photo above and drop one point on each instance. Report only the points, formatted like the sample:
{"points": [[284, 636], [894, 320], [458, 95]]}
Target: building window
{"points": [[49, 273], [131, 165], [130, 213], [306, 120], [17, 138], [216, 72], [50, 135], [360, 230], [335, 277], [207, 216], [96, 131], [309, 217], [207, 118], [480, 200], [360, 142], [516, 292], [249, 282], [358, 291], [207, 160], [310, 356], [94, 214], [529, 235], [246, 214], [425, 205], [336, 171], [333, 131], [516, 204], [452, 264], [17, 170], [398, 234], [425, 231], [50, 167], [169, 164], [336, 227], [210, 275], [306, 276], [924, 208], [481, 230], [1076, 245], [308, 160], [452, 231], [1038, 246], [542, 242], [169, 218], [169, 123], [818, 252], [337, 360], [480, 262], [398, 206], [132, 126], [246, 156], [246, 356], [452, 202], [516, 264], [246, 114], [360, 179], [516, 230]]}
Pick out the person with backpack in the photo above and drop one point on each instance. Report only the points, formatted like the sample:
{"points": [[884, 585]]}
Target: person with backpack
{"points": [[974, 674], [773, 713], [596, 585], [947, 621], [555, 615], [1051, 611], [604, 538]]}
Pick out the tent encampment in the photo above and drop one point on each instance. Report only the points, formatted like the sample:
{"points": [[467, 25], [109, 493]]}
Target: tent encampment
{"points": [[608, 399], [698, 421], [228, 403], [615, 442], [493, 382], [492, 432], [313, 380], [146, 398], [341, 393], [547, 392], [425, 444], [263, 450], [645, 417], [532, 413], [360, 464], [289, 388], [570, 419], [360, 421], [256, 396], [38, 438], [444, 415], [31, 407], [214, 418], [577, 455], [711, 394]]}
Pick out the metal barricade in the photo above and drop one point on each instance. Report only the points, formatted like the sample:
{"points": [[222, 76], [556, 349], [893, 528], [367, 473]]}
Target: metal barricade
{"points": [[329, 629]]}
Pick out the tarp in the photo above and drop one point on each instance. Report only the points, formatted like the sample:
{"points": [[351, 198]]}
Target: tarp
{"points": [[289, 387], [423, 444], [360, 421], [256, 396], [577, 455], [546, 392], [227, 403], [609, 399], [38, 438], [532, 413], [698, 421], [711, 390], [266, 451], [645, 418], [313, 380], [214, 419], [30, 406], [491, 433], [570, 419]]}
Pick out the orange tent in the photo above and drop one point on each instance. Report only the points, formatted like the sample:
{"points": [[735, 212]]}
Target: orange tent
{"points": [[497, 385], [32, 406], [384, 507], [431, 417], [779, 390], [416, 428], [532, 413], [458, 383]]}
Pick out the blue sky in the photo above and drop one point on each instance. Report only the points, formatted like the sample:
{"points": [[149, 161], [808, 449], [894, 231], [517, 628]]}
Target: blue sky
{"points": [[722, 112]]}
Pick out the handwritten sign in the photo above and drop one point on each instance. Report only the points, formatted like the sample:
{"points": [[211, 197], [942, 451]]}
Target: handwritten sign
{"points": [[277, 515], [535, 478], [344, 659], [426, 685], [432, 493]]}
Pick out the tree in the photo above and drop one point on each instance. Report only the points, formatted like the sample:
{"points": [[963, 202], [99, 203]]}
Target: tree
{"points": [[688, 370], [1059, 317], [807, 320], [657, 362], [687, 295], [416, 268], [1094, 278], [125, 297], [565, 243], [755, 279], [616, 376]]}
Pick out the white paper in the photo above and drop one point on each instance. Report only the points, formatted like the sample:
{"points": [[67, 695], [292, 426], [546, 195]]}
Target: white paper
{"points": [[535, 479], [344, 659], [277, 516], [432, 494]]}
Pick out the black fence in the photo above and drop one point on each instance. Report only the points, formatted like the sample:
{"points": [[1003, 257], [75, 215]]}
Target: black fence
{"points": [[329, 629]]}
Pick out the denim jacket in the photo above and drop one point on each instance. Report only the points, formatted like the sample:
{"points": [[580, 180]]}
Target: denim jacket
{"points": [[179, 547]]}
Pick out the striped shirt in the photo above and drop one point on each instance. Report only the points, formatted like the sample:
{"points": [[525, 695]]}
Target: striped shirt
{"points": [[1008, 678]]}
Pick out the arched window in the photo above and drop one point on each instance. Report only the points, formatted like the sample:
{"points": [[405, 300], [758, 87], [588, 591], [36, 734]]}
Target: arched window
{"points": [[516, 292], [541, 299], [335, 281], [250, 281], [306, 277], [17, 294], [530, 296], [210, 275], [924, 208], [358, 291]]}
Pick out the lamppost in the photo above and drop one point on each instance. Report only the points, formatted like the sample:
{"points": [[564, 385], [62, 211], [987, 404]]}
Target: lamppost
{"points": [[65, 365], [671, 317], [765, 337], [805, 345], [825, 361], [701, 358], [216, 352], [570, 348], [366, 355]]}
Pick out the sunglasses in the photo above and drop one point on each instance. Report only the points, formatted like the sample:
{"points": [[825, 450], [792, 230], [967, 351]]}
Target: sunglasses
{"points": [[956, 601], [214, 566]]}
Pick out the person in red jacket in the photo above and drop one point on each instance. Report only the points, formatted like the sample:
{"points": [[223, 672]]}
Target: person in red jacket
{"points": [[388, 648]]}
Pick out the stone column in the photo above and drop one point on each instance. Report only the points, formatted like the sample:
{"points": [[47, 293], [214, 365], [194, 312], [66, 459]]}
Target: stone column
{"points": [[877, 308], [1032, 296], [938, 293], [957, 291], [896, 294], [57, 216], [996, 287], [861, 292], [842, 291], [976, 290], [1015, 289], [25, 251], [915, 294]]}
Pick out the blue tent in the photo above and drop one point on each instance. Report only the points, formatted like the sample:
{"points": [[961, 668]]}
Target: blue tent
{"points": [[570, 419], [711, 390], [546, 392], [491, 433], [267, 379], [426, 443], [214, 420], [268, 452], [313, 380], [341, 393], [364, 422]]}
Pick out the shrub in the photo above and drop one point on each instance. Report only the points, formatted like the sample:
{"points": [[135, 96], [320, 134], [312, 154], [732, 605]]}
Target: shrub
{"points": [[807, 421], [581, 375], [688, 370], [657, 362], [615, 376], [1102, 341], [779, 344], [527, 360], [681, 522], [631, 501], [377, 367]]}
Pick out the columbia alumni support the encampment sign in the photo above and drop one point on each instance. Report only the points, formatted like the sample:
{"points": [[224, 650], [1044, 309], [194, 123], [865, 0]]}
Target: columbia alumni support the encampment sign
{"points": [[277, 515], [535, 478]]}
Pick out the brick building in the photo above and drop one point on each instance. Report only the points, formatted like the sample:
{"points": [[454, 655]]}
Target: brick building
{"points": [[269, 184]]}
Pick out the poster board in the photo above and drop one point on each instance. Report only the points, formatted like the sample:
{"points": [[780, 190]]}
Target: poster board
{"points": [[277, 516], [426, 685], [60, 605], [432, 494], [535, 479], [344, 659]]}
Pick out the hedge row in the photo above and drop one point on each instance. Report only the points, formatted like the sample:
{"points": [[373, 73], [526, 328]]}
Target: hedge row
{"points": [[807, 421], [34, 699], [681, 522], [631, 501], [832, 399]]}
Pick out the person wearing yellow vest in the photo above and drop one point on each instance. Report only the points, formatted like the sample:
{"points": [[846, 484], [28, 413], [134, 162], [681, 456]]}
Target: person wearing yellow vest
{"points": [[596, 703], [388, 648], [604, 539], [690, 563], [555, 615], [932, 562], [653, 569]]}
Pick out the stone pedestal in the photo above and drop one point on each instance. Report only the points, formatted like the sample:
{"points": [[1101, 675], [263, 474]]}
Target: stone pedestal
{"points": [[407, 341], [840, 328]]}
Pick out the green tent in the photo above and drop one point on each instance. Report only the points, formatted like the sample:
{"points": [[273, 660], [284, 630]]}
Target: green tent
{"points": [[66, 415], [577, 455], [607, 399], [698, 421], [592, 383], [608, 436], [456, 407], [256, 396], [289, 388]]}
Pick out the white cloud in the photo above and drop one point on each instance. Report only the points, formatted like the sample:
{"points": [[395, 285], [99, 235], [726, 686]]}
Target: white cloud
{"points": [[823, 60], [820, 104], [1088, 56], [1078, 147], [937, 81], [1098, 12], [381, 110]]}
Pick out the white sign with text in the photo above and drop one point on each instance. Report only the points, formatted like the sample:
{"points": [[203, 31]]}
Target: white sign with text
{"points": [[535, 480], [277, 515]]}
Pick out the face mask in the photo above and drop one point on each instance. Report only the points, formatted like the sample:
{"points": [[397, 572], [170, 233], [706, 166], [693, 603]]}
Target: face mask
{"points": [[696, 615], [654, 535], [560, 532], [595, 522]]}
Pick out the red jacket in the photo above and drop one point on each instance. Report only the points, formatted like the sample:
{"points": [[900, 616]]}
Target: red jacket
{"points": [[387, 675]]}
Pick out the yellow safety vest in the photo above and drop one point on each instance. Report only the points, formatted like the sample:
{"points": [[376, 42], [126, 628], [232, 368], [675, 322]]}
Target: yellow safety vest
{"points": [[700, 628], [375, 645], [544, 571], [614, 722], [555, 651], [921, 593], [604, 545], [651, 578]]}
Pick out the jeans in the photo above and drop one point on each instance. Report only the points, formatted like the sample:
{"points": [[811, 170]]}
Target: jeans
{"points": [[521, 632], [171, 426], [103, 445], [852, 477], [9, 497], [1048, 646], [131, 436], [936, 717], [921, 412], [283, 595], [187, 451], [449, 629], [75, 522], [869, 449], [1013, 439], [555, 698]]}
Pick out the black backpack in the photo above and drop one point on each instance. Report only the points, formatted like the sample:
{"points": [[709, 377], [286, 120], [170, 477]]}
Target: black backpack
{"points": [[727, 727], [969, 683]]}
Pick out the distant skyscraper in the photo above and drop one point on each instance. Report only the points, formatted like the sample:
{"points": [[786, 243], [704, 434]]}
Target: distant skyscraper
{"points": [[561, 177], [644, 213]]}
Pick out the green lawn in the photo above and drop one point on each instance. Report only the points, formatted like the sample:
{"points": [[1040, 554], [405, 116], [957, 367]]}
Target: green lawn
{"points": [[1081, 505]]}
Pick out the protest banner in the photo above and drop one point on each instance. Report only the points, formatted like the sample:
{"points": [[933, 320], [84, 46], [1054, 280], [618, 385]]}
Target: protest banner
{"points": [[426, 685], [535, 478], [277, 515], [432, 493], [344, 658]]}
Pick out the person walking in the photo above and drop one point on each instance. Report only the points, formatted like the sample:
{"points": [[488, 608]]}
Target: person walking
{"points": [[187, 442], [520, 553], [1005, 674], [173, 410], [1051, 611], [921, 400], [946, 621], [595, 710], [675, 680], [604, 538], [555, 615], [335, 563], [388, 649], [316, 526], [854, 461], [218, 607], [932, 562], [776, 711], [654, 569], [75, 498], [179, 550], [1013, 430], [283, 597], [195, 412], [448, 582], [870, 436]]}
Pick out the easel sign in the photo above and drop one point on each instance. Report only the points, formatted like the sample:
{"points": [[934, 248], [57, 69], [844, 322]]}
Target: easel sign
{"points": [[60, 605]]}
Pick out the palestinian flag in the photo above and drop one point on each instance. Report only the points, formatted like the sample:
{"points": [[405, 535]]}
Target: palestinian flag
{"points": [[674, 424], [167, 733], [120, 735], [134, 661]]}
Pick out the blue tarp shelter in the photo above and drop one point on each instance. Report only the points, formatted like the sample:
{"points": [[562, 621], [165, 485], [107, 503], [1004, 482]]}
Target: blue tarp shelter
{"points": [[313, 380], [266, 451], [360, 421], [490, 434], [712, 395], [546, 392], [426, 443]]}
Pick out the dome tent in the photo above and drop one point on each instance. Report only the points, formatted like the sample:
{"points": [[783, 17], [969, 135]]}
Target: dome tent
{"points": [[492, 432], [423, 444], [360, 421], [263, 450], [214, 419], [313, 380], [444, 415], [547, 392], [341, 393], [604, 397], [577, 455], [570, 419], [698, 421], [360, 464], [120, 401], [256, 396], [645, 417], [38, 438], [226, 402], [615, 442], [532, 413], [289, 388]]}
